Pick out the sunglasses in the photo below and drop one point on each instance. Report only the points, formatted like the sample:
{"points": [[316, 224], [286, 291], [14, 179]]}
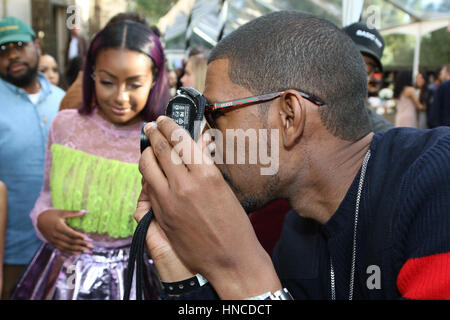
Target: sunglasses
{"points": [[214, 110]]}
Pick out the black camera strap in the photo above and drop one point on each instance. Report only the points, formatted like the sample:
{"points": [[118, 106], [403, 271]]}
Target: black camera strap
{"points": [[136, 257]]}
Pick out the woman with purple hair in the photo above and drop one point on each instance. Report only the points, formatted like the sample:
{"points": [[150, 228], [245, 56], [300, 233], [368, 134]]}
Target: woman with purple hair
{"points": [[84, 213]]}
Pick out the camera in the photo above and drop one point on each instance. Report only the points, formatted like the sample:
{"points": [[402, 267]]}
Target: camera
{"points": [[186, 109]]}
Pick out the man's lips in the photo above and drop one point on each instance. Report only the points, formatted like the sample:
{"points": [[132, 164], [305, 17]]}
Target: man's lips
{"points": [[16, 66]]}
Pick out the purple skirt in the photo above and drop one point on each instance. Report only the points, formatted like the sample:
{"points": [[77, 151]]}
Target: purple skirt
{"points": [[98, 275]]}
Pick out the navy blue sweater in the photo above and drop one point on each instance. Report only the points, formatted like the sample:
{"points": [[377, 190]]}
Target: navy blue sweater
{"points": [[403, 231]]}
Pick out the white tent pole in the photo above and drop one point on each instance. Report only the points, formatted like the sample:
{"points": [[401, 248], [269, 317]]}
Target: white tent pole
{"points": [[351, 11], [417, 51]]}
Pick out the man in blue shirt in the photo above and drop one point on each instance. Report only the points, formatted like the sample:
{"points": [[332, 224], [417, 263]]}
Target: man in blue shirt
{"points": [[29, 103]]}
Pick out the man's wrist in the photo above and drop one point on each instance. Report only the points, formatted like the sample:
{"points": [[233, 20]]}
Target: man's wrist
{"points": [[245, 281], [282, 294], [170, 269]]}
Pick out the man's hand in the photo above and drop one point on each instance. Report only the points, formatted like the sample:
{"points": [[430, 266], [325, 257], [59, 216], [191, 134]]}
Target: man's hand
{"points": [[52, 225], [168, 264], [200, 215]]}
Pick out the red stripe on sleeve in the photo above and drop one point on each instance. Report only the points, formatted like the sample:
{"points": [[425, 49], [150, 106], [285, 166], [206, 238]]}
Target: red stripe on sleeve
{"points": [[426, 278]]}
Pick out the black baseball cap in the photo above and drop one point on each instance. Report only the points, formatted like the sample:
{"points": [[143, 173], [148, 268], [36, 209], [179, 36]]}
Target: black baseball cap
{"points": [[368, 40]]}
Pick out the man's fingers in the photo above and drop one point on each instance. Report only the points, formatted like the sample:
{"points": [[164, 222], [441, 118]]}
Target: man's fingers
{"points": [[143, 203], [167, 158], [181, 141]]}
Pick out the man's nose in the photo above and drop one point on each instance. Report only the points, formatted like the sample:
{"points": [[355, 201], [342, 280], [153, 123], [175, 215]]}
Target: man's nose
{"points": [[12, 53]]}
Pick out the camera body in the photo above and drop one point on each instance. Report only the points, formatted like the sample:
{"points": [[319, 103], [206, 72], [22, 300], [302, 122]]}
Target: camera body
{"points": [[186, 109]]}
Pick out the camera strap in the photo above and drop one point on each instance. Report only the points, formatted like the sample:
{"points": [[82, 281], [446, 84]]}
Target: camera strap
{"points": [[136, 257]]}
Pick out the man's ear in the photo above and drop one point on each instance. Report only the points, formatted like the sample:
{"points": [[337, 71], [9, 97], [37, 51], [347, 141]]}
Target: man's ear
{"points": [[293, 117]]}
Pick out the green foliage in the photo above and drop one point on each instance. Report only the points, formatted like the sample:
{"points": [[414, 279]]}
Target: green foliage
{"points": [[399, 50], [434, 49], [153, 10]]}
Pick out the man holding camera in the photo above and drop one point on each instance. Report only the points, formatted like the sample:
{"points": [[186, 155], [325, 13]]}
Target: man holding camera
{"points": [[373, 207]]}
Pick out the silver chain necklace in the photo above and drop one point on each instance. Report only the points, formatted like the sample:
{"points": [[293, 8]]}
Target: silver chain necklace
{"points": [[352, 271]]}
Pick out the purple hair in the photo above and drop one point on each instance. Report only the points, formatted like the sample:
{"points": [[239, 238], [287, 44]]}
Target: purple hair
{"points": [[134, 36]]}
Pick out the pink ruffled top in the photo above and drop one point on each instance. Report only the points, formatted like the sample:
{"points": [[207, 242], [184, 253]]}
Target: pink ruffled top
{"points": [[91, 164]]}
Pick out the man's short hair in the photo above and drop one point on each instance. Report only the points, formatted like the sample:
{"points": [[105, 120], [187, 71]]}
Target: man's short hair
{"points": [[293, 50]]}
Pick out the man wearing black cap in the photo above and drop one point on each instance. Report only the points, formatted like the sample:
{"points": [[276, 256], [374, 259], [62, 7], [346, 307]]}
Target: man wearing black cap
{"points": [[371, 45], [29, 102]]}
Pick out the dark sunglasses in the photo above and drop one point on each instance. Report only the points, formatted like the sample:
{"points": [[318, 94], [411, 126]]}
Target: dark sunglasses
{"points": [[212, 111]]}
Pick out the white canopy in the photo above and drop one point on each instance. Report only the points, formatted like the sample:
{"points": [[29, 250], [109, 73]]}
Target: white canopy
{"points": [[413, 17], [205, 22]]}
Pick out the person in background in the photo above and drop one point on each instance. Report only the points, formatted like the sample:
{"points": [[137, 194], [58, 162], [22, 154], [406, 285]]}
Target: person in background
{"points": [[3, 219], [425, 98], [444, 74], [199, 51], [172, 77], [77, 44], [371, 45], [73, 70], [195, 51], [434, 80], [29, 103], [407, 101], [195, 72], [173, 80], [84, 213], [73, 97], [49, 68], [439, 113]]}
